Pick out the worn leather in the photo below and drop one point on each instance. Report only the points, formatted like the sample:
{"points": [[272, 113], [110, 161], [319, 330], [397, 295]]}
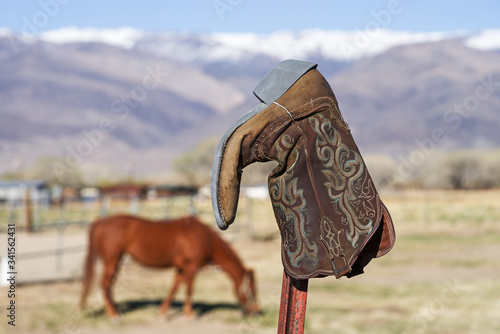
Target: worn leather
{"points": [[329, 214]]}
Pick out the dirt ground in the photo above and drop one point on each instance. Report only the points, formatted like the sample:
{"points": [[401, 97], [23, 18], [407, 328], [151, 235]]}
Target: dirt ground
{"points": [[47, 298], [441, 277]]}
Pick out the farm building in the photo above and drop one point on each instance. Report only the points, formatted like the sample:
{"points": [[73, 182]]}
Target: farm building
{"points": [[17, 190]]}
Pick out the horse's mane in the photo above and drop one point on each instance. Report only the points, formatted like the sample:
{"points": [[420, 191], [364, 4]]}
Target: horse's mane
{"points": [[225, 248]]}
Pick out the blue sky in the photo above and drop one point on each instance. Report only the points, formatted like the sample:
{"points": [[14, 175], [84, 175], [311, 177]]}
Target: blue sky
{"points": [[257, 16]]}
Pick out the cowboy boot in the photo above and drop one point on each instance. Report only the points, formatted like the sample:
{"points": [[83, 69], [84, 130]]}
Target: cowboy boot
{"points": [[329, 214]]}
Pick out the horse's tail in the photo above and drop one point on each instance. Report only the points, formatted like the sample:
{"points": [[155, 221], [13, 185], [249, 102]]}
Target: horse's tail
{"points": [[88, 268]]}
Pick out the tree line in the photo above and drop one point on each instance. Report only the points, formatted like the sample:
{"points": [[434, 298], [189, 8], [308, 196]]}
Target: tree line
{"points": [[463, 169]]}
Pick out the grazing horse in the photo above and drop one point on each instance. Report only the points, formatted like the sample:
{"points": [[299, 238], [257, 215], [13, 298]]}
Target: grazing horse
{"points": [[186, 244]]}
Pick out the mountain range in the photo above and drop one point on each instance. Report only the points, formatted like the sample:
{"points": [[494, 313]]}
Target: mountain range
{"points": [[112, 102]]}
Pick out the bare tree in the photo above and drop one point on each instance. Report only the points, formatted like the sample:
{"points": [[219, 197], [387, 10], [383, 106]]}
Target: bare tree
{"points": [[47, 168], [194, 167]]}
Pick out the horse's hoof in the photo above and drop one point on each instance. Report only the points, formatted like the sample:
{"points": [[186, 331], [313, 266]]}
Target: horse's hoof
{"points": [[116, 320], [164, 317]]}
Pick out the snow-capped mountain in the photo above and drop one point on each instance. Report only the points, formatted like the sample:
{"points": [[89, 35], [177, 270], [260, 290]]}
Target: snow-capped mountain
{"points": [[146, 97], [332, 45]]}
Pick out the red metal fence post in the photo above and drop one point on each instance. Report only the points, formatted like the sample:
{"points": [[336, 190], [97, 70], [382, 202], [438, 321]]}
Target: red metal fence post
{"points": [[292, 305]]}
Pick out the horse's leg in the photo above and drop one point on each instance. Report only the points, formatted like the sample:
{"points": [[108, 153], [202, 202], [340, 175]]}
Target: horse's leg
{"points": [[189, 278], [110, 266], [168, 300]]}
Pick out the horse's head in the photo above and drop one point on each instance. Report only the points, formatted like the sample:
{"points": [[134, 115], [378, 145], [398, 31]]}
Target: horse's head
{"points": [[246, 294]]}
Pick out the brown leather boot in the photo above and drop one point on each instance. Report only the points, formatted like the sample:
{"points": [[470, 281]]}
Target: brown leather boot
{"points": [[330, 216]]}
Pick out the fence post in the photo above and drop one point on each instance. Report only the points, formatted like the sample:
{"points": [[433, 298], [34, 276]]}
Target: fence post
{"points": [[29, 210], [134, 205], [105, 204], [13, 211], [192, 206], [85, 209], [61, 224], [251, 215], [167, 206]]}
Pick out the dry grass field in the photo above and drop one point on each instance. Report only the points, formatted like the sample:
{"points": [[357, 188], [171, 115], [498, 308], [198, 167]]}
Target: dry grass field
{"points": [[441, 277]]}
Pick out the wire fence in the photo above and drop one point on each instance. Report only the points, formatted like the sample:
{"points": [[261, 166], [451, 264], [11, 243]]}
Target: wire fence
{"points": [[39, 215], [35, 217]]}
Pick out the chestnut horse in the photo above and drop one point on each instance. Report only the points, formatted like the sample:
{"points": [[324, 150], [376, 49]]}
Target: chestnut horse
{"points": [[186, 244]]}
